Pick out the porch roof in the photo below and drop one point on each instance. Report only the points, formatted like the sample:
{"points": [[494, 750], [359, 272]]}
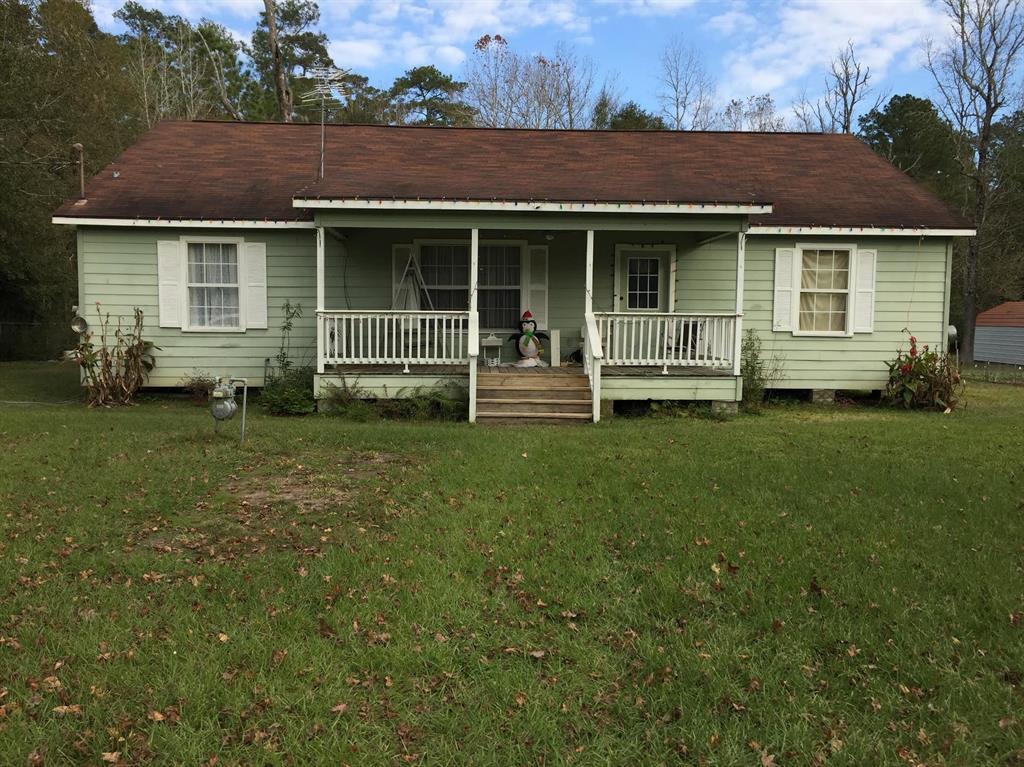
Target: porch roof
{"points": [[267, 171]]}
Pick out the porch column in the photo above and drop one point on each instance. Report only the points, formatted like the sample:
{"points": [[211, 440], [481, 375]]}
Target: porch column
{"points": [[588, 298], [741, 247], [474, 321], [474, 268], [319, 299]]}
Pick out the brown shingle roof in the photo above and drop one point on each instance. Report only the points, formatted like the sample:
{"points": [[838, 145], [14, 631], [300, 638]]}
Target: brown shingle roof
{"points": [[235, 171], [1006, 315]]}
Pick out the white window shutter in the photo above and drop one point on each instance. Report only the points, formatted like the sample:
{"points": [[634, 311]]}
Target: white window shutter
{"points": [[782, 305], [255, 285], [403, 295], [537, 295], [864, 298], [170, 289]]}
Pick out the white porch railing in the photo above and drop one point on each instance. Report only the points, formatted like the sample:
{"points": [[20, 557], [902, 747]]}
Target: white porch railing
{"points": [[668, 339], [592, 356], [394, 338]]}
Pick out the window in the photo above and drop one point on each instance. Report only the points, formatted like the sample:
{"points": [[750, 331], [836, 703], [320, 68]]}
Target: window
{"points": [[498, 299], [445, 269], [445, 276], [213, 289], [643, 286], [824, 290]]}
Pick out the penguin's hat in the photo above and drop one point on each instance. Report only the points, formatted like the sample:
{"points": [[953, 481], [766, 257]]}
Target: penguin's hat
{"points": [[527, 316]]}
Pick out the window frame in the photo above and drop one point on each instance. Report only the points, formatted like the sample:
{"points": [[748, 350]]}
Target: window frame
{"points": [[524, 270], [798, 289], [186, 314], [666, 254]]}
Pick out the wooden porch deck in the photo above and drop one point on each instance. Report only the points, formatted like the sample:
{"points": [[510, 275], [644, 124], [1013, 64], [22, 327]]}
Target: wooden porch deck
{"points": [[607, 371]]}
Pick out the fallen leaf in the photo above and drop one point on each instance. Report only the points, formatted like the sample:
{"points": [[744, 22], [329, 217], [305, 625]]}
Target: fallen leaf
{"points": [[74, 709], [538, 654], [278, 656], [222, 637], [520, 699], [110, 756], [340, 708], [155, 716]]}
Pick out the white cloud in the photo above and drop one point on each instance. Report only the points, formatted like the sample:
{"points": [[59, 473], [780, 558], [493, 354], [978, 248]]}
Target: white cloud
{"points": [[649, 7], [357, 54], [798, 41]]}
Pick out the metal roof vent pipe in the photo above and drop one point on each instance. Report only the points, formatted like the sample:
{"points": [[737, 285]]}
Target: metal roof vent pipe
{"points": [[223, 405]]}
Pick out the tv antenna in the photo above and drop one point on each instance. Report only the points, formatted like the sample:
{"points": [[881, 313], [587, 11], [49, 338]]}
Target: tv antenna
{"points": [[328, 86]]}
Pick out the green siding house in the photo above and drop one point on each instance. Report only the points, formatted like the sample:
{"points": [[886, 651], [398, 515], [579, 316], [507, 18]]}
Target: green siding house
{"points": [[644, 256]]}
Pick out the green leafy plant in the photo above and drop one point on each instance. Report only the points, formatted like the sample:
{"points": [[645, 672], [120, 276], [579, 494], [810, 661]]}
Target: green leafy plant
{"points": [[288, 389], [198, 384], [923, 379], [759, 372], [349, 400], [117, 363]]}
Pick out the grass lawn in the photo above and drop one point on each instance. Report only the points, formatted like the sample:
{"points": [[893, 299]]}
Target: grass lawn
{"points": [[805, 587]]}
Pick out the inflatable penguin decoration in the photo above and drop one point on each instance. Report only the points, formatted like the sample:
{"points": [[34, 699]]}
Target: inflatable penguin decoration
{"points": [[527, 342]]}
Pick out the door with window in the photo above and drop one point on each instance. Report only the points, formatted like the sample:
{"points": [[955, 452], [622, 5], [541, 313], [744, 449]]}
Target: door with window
{"points": [[642, 277]]}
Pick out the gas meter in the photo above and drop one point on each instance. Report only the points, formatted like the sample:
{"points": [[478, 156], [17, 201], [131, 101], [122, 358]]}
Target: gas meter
{"points": [[223, 405]]}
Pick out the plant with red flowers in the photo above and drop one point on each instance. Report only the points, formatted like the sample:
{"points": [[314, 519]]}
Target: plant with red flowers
{"points": [[923, 379]]}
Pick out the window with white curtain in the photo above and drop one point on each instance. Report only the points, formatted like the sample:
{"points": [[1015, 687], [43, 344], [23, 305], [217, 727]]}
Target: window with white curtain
{"points": [[213, 291], [445, 269], [824, 290]]}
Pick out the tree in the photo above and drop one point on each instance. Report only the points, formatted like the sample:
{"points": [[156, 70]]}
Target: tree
{"points": [[687, 91], [179, 70], [847, 86], [910, 133], [62, 81], [974, 72], [757, 113], [426, 96], [284, 46], [507, 90], [631, 116]]}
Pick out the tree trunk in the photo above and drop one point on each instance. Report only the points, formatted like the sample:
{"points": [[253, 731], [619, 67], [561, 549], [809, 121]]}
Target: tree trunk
{"points": [[284, 93]]}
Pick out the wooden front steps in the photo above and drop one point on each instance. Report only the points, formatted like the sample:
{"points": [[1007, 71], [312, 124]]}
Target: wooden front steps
{"points": [[532, 397]]}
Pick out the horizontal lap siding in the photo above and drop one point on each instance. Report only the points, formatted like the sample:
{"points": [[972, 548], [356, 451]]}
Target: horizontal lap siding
{"points": [[999, 344], [118, 269], [910, 293], [706, 277]]}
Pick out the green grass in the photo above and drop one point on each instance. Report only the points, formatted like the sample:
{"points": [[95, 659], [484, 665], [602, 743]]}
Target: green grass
{"points": [[818, 586], [994, 372]]}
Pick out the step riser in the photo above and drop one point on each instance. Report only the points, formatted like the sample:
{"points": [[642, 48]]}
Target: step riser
{"points": [[519, 408], [506, 421], [540, 382], [534, 394]]}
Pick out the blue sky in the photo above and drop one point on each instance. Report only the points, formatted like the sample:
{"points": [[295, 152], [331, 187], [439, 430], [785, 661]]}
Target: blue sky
{"points": [[748, 46]]}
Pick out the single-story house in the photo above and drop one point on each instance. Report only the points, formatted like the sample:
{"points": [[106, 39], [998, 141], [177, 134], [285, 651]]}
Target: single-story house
{"points": [[414, 251], [999, 334]]}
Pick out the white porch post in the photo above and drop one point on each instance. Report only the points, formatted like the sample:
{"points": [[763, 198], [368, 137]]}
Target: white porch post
{"points": [[319, 299], [588, 299], [741, 247], [474, 321]]}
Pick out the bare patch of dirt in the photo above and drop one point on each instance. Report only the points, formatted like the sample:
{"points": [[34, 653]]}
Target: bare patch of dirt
{"points": [[288, 507]]}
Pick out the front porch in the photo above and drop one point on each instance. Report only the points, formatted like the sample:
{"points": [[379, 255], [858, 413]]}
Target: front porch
{"points": [[651, 314]]}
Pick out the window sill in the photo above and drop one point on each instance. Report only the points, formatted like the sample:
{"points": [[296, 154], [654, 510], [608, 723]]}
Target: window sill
{"points": [[213, 330], [818, 333]]}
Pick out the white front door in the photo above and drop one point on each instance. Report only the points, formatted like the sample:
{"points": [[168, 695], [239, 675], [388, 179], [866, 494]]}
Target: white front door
{"points": [[643, 278]]}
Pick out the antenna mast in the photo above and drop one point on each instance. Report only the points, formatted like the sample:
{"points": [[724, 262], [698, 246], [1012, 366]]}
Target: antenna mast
{"points": [[329, 85]]}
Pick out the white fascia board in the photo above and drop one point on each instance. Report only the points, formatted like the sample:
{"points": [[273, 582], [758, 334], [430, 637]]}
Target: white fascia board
{"points": [[695, 208], [183, 223], [886, 231]]}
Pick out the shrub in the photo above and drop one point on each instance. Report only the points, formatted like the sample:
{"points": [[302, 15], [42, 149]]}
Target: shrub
{"points": [[758, 372], [925, 380], [115, 368], [289, 392], [350, 401], [198, 384]]}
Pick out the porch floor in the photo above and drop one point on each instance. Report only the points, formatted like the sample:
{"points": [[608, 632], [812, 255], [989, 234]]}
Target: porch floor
{"points": [[613, 371]]}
